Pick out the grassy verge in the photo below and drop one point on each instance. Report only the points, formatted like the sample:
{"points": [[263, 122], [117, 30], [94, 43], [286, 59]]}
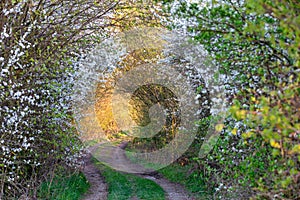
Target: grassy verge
{"points": [[123, 186], [64, 187], [191, 180]]}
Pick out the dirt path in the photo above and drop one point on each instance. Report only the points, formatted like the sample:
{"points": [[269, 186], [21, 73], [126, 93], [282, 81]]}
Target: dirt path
{"points": [[173, 191], [98, 189], [115, 156]]}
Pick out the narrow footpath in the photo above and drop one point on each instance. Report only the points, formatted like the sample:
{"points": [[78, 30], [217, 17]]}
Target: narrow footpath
{"points": [[115, 156], [98, 188]]}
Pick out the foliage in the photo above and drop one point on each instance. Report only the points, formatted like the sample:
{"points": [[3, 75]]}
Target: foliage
{"points": [[256, 45], [190, 177], [64, 187], [40, 41], [146, 96], [131, 14]]}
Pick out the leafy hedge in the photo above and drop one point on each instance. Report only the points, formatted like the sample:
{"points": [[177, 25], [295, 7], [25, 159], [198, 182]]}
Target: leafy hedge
{"points": [[256, 45], [40, 42]]}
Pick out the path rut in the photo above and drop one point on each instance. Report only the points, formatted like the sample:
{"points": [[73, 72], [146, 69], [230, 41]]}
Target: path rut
{"points": [[98, 188], [115, 156]]}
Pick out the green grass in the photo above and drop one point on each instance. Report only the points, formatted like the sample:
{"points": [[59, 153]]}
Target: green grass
{"points": [[147, 189], [64, 187], [192, 181], [123, 186]]}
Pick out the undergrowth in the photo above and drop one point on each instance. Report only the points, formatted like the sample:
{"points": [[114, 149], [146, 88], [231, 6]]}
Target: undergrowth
{"points": [[64, 186]]}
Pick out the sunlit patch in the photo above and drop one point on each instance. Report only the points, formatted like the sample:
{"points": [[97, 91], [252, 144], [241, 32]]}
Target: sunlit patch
{"points": [[149, 85]]}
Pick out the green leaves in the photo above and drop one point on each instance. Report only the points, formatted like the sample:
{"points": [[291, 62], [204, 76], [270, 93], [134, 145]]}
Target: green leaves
{"points": [[256, 45], [39, 40]]}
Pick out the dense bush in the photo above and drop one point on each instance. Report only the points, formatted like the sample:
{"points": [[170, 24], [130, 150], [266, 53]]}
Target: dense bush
{"points": [[256, 45], [40, 41]]}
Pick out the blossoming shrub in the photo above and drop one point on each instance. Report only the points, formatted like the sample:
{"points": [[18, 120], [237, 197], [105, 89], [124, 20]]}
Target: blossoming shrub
{"points": [[256, 45], [39, 44]]}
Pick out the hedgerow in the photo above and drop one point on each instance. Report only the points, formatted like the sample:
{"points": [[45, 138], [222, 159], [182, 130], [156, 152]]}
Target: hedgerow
{"points": [[41, 42], [256, 45]]}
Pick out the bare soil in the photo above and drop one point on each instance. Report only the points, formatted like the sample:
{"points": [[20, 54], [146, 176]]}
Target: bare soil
{"points": [[98, 188]]}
